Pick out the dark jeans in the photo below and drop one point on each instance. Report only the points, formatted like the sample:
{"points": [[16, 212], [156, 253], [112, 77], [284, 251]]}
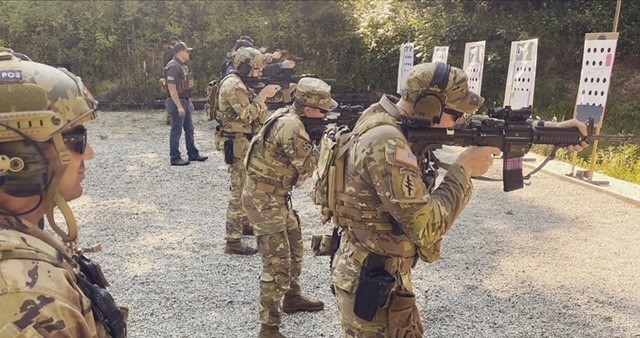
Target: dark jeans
{"points": [[177, 124]]}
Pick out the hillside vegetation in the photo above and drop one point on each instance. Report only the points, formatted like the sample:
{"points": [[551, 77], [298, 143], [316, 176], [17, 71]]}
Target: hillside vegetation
{"points": [[116, 46]]}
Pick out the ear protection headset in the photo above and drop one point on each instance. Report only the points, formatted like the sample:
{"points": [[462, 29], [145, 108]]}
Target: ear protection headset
{"points": [[26, 173], [244, 68], [430, 103]]}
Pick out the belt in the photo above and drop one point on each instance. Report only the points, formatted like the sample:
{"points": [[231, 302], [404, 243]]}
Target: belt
{"points": [[400, 264], [391, 264], [233, 134]]}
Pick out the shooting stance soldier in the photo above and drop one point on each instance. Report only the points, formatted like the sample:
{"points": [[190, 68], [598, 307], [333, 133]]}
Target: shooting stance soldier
{"points": [[386, 215], [241, 114], [48, 288], [280, 157], [179, 85], [270, 68]]}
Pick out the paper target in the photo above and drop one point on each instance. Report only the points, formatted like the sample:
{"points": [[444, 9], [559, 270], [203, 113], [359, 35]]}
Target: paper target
{"points": [[474, 64], [440, 54], [521, 78], [597, 62]]}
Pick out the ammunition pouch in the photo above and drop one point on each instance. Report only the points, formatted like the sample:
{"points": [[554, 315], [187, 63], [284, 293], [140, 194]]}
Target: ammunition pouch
{"points": [[228, 152], [217, 138], [163, 85], [373, 289], [321, 245], [92, 283]]}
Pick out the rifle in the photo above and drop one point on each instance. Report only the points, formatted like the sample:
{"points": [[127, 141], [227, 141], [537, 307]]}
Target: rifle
{"points": [[347, 116], [511, 130], [284, 78]]}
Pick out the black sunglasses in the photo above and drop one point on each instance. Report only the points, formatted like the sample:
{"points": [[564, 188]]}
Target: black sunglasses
{"points": [[76, 139], [456, 114]]}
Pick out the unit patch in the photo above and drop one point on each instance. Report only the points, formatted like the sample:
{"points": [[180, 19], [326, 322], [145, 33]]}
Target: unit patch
{"points": [[10, 76], [408, 185]]}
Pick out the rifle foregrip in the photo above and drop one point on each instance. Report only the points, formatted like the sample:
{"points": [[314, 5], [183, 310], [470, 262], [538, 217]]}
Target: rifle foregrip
{"points": [[557, 136]]}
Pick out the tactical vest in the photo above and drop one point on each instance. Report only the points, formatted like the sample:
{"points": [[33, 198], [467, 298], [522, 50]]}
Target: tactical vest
{"points": [[187, 82], [366, 220], [232, 126], [282, 175], [13, 246]]}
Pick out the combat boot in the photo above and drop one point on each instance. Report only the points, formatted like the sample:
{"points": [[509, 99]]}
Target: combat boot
{"points": [[267, 331], [296, 303], [239, 248]]}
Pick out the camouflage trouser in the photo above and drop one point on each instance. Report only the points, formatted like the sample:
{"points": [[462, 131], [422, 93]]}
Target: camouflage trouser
{"points": [[236, 216], [280, 244], [399, 317]]}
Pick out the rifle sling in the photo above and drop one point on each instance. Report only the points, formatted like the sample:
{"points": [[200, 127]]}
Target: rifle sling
{"points": [[552, 155]]}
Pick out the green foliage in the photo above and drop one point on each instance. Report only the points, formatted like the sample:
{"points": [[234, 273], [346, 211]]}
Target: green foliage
{"points": [[620, 161], [116, 46]]}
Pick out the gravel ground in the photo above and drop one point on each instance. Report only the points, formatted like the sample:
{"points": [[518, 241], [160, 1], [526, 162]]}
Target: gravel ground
{"points": [[552, 260]]}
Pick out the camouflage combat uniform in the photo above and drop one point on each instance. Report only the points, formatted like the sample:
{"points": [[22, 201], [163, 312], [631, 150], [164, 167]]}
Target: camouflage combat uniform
{"points": [[383, 186], [39, 293], [242, 113], [281, 157]]}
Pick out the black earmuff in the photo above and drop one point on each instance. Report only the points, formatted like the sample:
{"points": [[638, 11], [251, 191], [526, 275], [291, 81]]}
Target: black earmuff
{"points": [[430, 103], [440, 77], [244, 69], [31, 180]]}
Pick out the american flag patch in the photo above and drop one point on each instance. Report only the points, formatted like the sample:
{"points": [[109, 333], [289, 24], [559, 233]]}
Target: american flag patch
{"points": [[406, 157]]}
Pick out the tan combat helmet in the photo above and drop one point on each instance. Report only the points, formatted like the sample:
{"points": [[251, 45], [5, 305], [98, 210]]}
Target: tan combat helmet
{"points": [[248, 58], [314, 93], [435, 86], [37, 104]]}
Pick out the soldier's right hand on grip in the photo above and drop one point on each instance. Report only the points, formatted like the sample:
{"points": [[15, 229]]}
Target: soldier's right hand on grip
{"points": [[476, 161], [269, 91]]}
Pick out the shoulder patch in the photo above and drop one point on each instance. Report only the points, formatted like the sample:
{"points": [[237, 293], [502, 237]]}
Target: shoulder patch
{"points": [[406, 157]]}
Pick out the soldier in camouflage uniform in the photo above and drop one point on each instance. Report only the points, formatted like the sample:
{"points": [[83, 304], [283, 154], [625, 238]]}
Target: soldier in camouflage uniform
{"points": [[43, 146], [280, 157], [388, 217], [241, 113]]}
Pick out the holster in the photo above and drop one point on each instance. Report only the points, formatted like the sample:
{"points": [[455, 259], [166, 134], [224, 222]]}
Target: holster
{"points": [[228, 152], [92, 271], [373, 289]]}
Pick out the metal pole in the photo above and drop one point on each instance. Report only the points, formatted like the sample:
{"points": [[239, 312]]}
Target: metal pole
{"points": [[594, 153]]}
